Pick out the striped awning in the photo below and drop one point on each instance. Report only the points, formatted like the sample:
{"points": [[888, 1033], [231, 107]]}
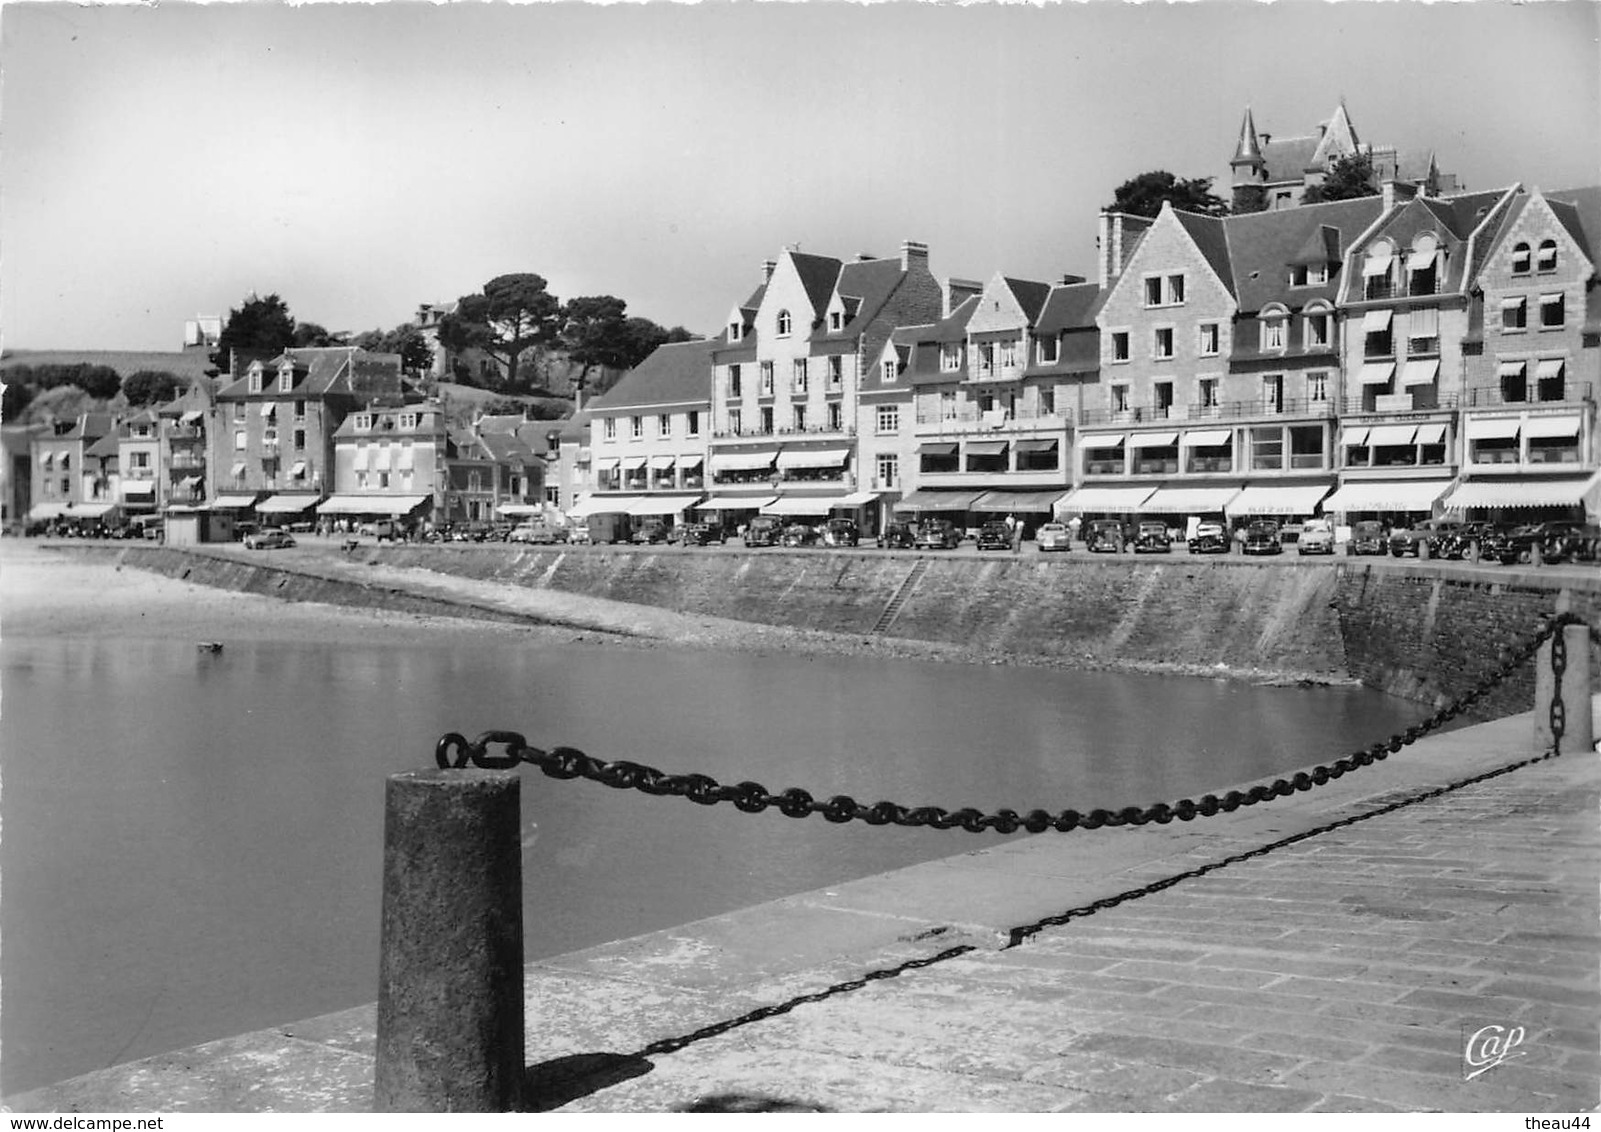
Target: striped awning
{"points": [[1109, 440], [1392, 434], [663, 504], [812, 458], [1191, 500], [286, 504], [1278, 499], [1120, 498], [927, 499], [371, 504], [1411, 496], [735, 503], [1528, 492], [601, 505], [1030, 501], [1153, 439], [803, 505]]}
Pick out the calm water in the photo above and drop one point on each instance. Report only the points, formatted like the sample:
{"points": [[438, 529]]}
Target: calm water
{"points": [[192, 842]]}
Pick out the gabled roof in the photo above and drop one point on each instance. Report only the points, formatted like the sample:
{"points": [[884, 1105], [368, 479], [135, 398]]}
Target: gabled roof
{"points": [[1030, 296], [90, 427], [1263, 246], [818, 273], [1071, 306], [1580, 212], [106, 446], [326, 371], [576, 427], [505, 447], [1288, 159], [1211, 239], [676, 373], [870, 282], [924, 342]]}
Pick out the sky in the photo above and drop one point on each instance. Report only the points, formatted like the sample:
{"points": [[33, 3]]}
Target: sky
{"points": [[157, 163]]}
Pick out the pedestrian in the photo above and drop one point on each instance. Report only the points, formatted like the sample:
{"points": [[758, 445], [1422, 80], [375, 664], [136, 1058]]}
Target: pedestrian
{"points": [[1017, 538]]}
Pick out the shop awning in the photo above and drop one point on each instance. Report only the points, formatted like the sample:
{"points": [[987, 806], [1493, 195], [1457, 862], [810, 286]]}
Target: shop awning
{"points": [[1378, 320], [634, 463], [144, 489], [1152, 439], [191, 416], [285, 504], [1210, 500], [1208, 438], [743, 461], [1413, 496], [601, 505], [371, 504], [735, 503], [812, 458], [1493, 428], [1376, 373], [89, 510], [608, 465], [1121, 498], [1548, 367], [803, 505], [936, 449], [1110, 440], [1035, 445], [1529, 492], [1551, 426], [40, 512], [693, 461], [1356, 435], [663, 463], [268, 408], [1420, 372], [663, 504], [931, 500], [516, 510], [1031, 501], [297, 469], [238, 468], [1392, 434], [229, 502], [859, 498], [1431, 434], [1278, 499], [986, 447]]}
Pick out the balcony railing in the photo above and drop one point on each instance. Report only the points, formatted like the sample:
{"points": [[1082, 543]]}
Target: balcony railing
{"points": [[1414, 402], [1223, 410], [756, 432], [1534, 394], [969, 418]]}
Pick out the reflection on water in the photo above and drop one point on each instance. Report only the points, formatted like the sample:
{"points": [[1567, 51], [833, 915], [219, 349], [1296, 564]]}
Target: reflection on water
{"points": [[192, 840]]}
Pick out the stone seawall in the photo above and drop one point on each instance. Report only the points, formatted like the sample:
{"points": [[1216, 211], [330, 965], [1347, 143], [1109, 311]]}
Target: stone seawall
{"points": [[1423, 631]]}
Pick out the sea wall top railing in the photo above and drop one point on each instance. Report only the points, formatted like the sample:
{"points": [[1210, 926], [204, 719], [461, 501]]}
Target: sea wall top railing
{"points": [[450, 1005]]}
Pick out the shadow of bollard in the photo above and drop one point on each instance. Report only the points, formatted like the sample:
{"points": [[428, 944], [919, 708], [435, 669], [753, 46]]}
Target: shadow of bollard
{"points": [[551, 1084]]}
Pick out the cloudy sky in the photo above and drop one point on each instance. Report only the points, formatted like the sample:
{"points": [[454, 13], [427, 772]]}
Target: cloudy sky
{"points": [[157, 163]]}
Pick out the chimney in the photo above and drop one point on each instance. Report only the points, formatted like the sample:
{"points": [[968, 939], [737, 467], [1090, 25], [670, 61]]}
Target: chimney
{"points": [[958, 291], [768, 267], [914, 256], [1393, 192]]}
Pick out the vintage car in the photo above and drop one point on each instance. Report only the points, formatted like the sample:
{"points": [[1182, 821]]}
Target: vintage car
{"points": [[798, 534], [898, 536], [1108, 536], [1422, 540], [841, 532], [1152, 538], [1053, 536], [763, 530], [1262, 537], [701, 534], [273, 538], [937, 534], [1317, 537], [1556, 542], [994, 536], [1367, 537], [1209, 538], [1461, 543], [652, 531], [537, 533]]}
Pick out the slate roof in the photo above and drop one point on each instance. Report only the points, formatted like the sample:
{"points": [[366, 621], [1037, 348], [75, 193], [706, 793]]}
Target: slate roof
{"points": [[925, 342], [1070, 306], [1210, 238], [1262, 247], [105, 447], [1030, 296], [871, 283], [1287, 159], [1580, 212], [818, 274], [325, 371], [90, 427], [676, 373], [506, 447], [576, 427]]}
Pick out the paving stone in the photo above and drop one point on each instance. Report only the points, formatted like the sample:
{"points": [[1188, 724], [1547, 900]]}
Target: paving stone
{"points": [[1199, 1057], [1220, 1095]]}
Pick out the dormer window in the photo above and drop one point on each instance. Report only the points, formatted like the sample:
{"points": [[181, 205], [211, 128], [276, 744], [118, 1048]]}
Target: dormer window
{"points": [[255, 379], [836, 320], [1520, 259], [1376, 272], [736, 332], [950, 357], [1547, 260], [1422, 266], [1309, 275], [1047, 350], [286, 378], [363, 422], [784, 324], [889, 371], [408, 422], [1273, 329]]}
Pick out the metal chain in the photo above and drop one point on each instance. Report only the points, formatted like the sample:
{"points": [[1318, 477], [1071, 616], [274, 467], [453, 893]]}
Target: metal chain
{"points": [[454, 751], [1559, 711]]}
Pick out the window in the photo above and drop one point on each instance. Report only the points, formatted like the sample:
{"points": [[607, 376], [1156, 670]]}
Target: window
{"points": [[1273, 392], [300, 438], [736, 331], [1047, 353], [239, 440], [1162, 343], [692, 422], [1206, 392], [1552, 311], [1047, 402], [766, 379], [1008, 354], [888, 418], [1549, 379], [1267, 448], [766, 419], [889, 371], [608, 427], [1317, 331], [1514, 382], [1317, 386], [835, 416], [1163, 391], [1153, 291], [255, 380], [836, 371], [1175, 289], [734, 422], [66, 485], [800, 418], [784, 323], [1376, 272], [950, 357], [947, 404], [141, 459], [1119, 398], [664, 424], [986, 358], [636, 427], [1423, 331], [475, 480], [239, 411], [1514, 314], [836, 320], [800, 375], [1309, 275], [1520, 259], [888, 469], [1207, 345], [1120, 345], [286, 379], [1272, 332], [1547, 260], [1422, 266]]}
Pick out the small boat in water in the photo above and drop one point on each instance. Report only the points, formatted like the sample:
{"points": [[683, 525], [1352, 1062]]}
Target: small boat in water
{"points": [[209, 646]]}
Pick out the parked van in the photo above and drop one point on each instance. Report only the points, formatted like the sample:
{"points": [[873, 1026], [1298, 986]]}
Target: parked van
{"points": [[610, 526]]}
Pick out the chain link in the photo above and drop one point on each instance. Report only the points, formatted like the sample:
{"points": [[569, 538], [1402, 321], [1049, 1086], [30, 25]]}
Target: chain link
{"points": [[454, 751]]}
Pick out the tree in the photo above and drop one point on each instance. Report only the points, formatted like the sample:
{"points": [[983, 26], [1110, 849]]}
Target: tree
{"points": [[416, 352], [1349, 177], [510, 315], [595, 332], [14, 397], [100, 382], [150, 387], [309, 334], [262, 327], [1143, 195]]}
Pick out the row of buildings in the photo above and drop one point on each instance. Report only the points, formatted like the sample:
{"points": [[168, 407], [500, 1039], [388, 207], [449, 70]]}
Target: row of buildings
{"points": [[1392, 356]]}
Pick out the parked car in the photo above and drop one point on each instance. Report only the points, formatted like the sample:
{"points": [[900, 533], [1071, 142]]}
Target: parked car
{"points": [[1557, 542], [579, 534], [271, 539], [798, 534], [609, 526], [1430, 533], [1462, 542], [1367, 537], [1152, 538], [652, 531], [841, 532], [1053, 536], [390, 530], [1209, 538], [543, 533], [1317, 537], [764, 530], [994, 536], [938, 534], [701, 534], [1106, 535], [1262, 537], [1290, 531], [898, 536]]}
